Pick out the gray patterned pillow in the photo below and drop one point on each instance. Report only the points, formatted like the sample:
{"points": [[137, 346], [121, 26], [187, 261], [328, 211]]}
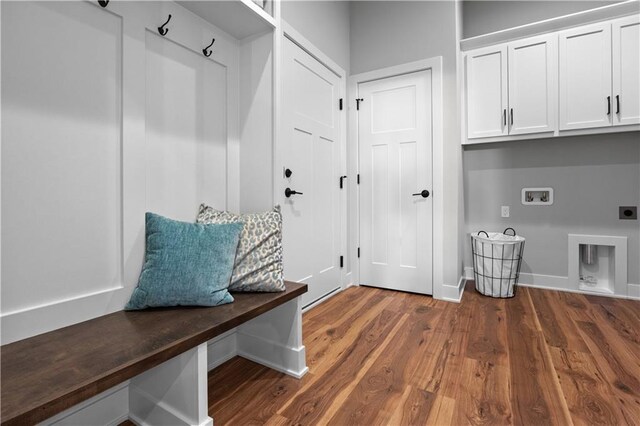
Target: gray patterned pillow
{"points": [[258, 265]]}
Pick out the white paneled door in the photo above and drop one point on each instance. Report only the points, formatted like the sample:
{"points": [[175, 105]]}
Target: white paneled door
{"points": [[395, 139], [310, 154]]}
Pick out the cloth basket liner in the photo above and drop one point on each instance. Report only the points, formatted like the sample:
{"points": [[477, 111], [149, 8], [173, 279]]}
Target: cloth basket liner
{"points": [[496, 262]]}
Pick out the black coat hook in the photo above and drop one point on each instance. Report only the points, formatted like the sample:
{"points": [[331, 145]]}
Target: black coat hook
{"points": [[207, 52], [103, 3], [162, 30]]}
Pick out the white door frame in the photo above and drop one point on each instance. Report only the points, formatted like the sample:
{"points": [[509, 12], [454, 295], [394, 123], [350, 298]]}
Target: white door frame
{"points": [[435, 65], [292, 34]]}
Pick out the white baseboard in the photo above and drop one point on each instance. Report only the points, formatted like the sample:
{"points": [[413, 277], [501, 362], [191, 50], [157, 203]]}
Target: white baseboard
{"points": [[634, 291], [110, 408], [286, 359], [544, 281], [324, 298], [158, 411], [559, 283], [630, 296], [468, 273], [453, 293], [221, 349]]}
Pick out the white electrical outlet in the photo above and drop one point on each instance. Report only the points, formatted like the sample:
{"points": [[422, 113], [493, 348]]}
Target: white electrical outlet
{"points": [[505, 211]]}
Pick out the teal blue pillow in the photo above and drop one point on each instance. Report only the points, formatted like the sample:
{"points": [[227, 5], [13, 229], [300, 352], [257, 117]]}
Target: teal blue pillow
{"points": [[186, 264]]}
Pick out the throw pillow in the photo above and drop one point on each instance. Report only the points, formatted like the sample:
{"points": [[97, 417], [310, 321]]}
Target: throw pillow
{"points": [[185, 264], [258, 264]]}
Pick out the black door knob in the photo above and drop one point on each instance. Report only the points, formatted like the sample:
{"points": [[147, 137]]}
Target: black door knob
{"points": [[424, 193], [288, 173], [289, 192]]}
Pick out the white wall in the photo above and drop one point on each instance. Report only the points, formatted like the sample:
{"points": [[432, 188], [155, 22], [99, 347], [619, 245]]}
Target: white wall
{"points": [[387, 33], [323, 23], [482, 17], [591, 176]]}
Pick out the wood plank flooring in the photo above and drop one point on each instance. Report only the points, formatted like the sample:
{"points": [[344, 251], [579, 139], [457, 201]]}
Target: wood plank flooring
{"points": [[379, 357]]}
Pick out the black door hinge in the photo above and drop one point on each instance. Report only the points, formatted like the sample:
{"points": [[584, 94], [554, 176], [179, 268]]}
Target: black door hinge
{"points": [[358, 100], [358, 252], [340, 103], [342, 261], [358, 179], [341, 179]]}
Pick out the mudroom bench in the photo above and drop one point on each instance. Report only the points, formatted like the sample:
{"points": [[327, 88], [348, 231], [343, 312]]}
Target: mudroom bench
{"points": [[163, 355]]}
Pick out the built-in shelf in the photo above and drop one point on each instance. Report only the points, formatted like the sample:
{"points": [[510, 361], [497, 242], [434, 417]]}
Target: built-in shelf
{"points": [[238, 18]]}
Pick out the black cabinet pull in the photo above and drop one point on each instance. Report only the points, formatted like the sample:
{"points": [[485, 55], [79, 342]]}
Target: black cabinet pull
{"points": [[424, 193], [511, 116], [504, 117], [608, 105], [617, 104], [289, 192]]}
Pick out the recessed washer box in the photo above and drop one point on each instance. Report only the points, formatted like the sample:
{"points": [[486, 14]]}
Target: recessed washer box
{"points": [[537, 196]]}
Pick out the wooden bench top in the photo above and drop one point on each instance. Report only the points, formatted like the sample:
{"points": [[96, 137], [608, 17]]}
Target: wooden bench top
{"points": [[46, 374]]}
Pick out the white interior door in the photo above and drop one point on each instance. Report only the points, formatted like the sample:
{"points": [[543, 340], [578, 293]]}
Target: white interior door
{"points": [[395, 138], [585, 77], [311, 151], [487, 92], [532, 70], [626, 70]]}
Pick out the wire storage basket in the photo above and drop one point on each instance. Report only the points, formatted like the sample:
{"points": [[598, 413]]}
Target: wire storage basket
{"points": [[497, 258]]}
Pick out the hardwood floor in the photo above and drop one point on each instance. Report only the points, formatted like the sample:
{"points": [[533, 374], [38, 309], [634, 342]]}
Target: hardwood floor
{"points": [[383, 357]]}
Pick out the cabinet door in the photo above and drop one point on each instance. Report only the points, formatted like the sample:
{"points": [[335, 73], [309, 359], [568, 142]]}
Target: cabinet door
{"points": [[532, 85], [585, 77], [487, 92], [626, 70]]}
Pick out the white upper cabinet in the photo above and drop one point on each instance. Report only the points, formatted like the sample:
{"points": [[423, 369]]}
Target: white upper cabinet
{"points": [[487, 92], [580, 80], [585, 77], [511, 88], [626, 70], [532, 71]]}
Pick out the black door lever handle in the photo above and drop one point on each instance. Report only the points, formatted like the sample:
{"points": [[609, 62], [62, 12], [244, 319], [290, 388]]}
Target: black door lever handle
{"points": [[289, 192], [424, 193]]}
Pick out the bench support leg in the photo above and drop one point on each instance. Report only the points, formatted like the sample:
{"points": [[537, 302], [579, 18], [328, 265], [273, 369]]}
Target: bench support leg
{"points": [[274, 339], [173, 393]]}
